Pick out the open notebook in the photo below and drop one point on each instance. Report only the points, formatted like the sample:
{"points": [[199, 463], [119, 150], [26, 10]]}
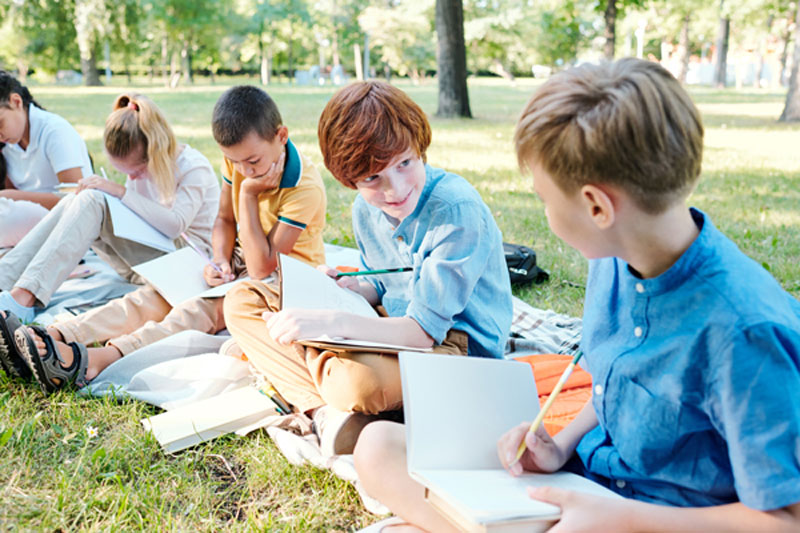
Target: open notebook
{"points": [[305, 287], [456, 408], [178, 276], [129, 225]]}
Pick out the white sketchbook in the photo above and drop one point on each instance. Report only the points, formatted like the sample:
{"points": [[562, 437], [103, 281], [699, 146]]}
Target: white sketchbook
{"points": [[456, 408], [178, 277], [305, 287], [129, 225]]}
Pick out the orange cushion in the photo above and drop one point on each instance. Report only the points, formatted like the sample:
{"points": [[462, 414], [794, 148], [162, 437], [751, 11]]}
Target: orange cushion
{"points": [[547, 369]]}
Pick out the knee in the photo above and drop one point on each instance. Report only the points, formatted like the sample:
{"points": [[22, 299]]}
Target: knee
{"points": [[381, 447], [354, 388], [89, 199], [234, 299]]}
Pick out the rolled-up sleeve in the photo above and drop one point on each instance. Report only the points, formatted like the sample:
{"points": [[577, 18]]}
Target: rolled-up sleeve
{"points": [[458, 253]]}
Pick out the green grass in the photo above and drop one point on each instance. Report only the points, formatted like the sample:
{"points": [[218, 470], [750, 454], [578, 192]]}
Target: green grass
{"points": [[54, 477]]}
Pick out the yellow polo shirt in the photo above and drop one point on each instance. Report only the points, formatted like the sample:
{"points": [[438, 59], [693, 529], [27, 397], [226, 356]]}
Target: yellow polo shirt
{"points": [[299, 201]]}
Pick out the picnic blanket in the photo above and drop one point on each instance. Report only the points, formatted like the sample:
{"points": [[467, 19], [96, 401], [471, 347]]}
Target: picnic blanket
{"points": [[189, 367]]}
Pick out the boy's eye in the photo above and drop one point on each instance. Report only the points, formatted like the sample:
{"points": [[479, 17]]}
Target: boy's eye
{"points": [[370, 179], [253, 162], [405, 163]]}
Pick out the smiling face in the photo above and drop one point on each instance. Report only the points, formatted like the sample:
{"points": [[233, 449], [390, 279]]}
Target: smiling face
{"points": [[13, 120], [396, 189], [134, 164], [253, 156]]}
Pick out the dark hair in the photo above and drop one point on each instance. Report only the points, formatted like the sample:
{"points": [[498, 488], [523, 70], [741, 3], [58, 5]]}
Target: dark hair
{"points": [[243, 109], [9, 84], [367, 124]]}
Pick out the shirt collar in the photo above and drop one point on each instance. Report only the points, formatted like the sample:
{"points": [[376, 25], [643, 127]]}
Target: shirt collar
{"points": [[293, 168], [686, 265]]}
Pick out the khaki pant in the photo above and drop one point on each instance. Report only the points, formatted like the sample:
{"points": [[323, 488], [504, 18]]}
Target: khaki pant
{"points": [[143, 317], [308, 377], [43, 259]]}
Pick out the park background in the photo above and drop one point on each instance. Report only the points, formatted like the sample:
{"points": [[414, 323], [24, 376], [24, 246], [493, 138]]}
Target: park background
{"points": [[68, 463]]}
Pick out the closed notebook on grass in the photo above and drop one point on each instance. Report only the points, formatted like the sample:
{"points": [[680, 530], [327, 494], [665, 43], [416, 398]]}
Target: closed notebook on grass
{"points": [[305, 287], [456, 408]]}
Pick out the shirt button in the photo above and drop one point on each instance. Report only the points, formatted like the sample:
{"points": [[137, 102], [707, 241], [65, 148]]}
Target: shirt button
{"points": [[621, 483], [639, 288], [400, 238], [598, 390], [637, 331]]}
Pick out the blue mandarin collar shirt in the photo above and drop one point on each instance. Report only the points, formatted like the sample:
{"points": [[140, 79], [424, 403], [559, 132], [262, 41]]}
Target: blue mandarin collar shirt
{"points": [[696, 378], [460, 279]]}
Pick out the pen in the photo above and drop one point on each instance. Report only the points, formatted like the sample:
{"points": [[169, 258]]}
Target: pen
{"points": [[550, 399], [373, 272], [201, 254], [103, 172]]}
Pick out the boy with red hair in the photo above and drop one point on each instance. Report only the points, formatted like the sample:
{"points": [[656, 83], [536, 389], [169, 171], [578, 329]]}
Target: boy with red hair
{"points": [[457, 299]]}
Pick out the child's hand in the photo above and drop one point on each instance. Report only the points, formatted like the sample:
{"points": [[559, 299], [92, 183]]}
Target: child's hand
{"points": [[347, 282], [541, 453], [585, 512], [214, 278], [290, 325], [258, 184], [101, 184]]}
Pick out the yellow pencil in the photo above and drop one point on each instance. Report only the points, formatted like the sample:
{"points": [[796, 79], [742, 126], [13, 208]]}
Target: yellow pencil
{"points": [[550, 399]]}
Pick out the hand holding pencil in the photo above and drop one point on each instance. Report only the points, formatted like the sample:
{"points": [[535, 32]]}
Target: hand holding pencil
{"points": [[546, 456]]}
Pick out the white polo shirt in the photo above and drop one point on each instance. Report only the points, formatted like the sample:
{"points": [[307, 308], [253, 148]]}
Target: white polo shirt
{"points": [[54, 146]]}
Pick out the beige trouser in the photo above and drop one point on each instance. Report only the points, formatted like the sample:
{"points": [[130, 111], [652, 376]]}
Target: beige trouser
{"points": [[308, 377], [43, 259], [143, 317]]}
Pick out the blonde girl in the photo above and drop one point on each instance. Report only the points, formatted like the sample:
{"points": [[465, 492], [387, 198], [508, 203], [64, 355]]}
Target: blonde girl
{"points": [[170, 185]]}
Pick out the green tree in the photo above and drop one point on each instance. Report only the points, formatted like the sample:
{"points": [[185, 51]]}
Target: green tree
{"points": [[400, 34]]}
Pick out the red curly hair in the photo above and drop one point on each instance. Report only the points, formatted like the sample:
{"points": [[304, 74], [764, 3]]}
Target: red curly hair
{"points": [[367, 124]]}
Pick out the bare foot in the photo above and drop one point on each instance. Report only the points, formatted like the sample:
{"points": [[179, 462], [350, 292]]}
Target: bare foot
{"points": [[53, 332], [63, 349]]}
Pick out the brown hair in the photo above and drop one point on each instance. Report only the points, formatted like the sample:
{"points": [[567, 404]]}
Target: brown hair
{"points": [[367, 124], [628, 123], [136, 121]]}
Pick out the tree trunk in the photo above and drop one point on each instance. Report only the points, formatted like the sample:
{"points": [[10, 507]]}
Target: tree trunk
{"points": [[721, 67], [165, 61], [683, 49], [791, 111], [186, 56], [367, 72], [452, 60], [91, 75], [611, 30], [357, 61]]}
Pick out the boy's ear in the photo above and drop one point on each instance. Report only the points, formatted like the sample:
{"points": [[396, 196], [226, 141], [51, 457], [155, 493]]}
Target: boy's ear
{"points": [[283, 134], [600, 205]]}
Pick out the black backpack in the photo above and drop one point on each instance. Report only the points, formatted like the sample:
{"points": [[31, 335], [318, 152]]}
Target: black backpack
{"points": [[521, 262]]}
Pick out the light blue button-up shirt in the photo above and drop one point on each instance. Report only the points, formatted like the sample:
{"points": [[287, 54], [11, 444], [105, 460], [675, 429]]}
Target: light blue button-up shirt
{"points": [[696, 377], [460, 278]]}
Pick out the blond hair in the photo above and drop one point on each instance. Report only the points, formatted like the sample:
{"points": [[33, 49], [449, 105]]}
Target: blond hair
{"points": [[628, 123], [137, 122]]}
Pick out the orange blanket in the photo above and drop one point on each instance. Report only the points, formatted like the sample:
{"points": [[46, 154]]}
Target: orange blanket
{"points": [[547, 368]]}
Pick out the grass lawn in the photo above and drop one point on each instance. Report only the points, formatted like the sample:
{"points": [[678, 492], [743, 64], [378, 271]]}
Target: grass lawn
{"points": [[54, 476]]}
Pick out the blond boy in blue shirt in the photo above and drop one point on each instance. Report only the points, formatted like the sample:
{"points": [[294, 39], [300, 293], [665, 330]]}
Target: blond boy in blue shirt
{"points": [[684, 336]]}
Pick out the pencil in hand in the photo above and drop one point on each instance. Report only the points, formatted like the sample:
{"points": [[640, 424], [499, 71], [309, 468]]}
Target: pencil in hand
{"points": [[201, 254], [550, 399], [374, 272]]}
